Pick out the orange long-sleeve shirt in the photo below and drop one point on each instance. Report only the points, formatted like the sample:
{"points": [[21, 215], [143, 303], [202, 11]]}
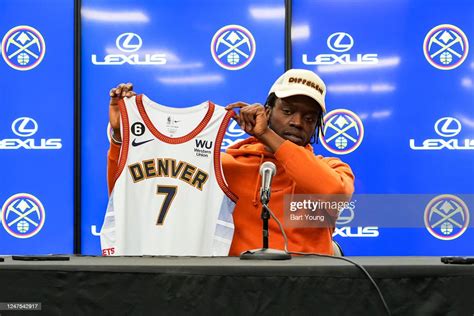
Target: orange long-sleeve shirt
{"points": [[299, 171]]}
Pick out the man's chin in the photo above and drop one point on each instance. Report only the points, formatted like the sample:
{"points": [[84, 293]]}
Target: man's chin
{"points": [[295, 139]]}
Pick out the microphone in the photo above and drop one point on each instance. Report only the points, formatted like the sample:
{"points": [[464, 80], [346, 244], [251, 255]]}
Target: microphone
{"points": [[267, 171]]}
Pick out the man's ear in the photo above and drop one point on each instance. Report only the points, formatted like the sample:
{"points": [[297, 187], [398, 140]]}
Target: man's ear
{"points": [[268, 110], [268, 113]]}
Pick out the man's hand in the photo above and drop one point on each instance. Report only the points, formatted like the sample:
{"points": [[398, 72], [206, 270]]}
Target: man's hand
{"points": [[253, 119], [121, 91]]}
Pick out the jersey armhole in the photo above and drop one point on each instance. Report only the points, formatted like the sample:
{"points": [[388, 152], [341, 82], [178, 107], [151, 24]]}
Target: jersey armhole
{"points": [[125, 139], [217, 157]]}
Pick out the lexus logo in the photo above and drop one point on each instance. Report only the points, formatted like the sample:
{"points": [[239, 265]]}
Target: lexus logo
{"points": [[340, 42], [345, 216], [128, 42], [24, 126], [447, 127], [234, 130]]}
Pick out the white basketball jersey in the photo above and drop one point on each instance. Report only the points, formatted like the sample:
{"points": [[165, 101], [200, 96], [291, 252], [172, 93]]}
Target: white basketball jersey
{"points": [[170, 196]]}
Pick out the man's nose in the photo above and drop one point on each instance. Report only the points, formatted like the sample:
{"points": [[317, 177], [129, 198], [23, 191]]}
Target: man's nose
{"points": [[296, 120]]}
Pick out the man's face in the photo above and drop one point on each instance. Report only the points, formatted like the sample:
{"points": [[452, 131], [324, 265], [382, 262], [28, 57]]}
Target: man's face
{"points": [[294, 118]]}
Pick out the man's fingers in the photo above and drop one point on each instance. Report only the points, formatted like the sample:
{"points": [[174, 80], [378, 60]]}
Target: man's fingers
{"points": [[253, 115], [113, 97], [250, 114], [252, 119], [125, 89], [240, 120], [129, 86], [247, 117], [236, 105], [246, 127], [260, 112], [244, 114], [122, 90], [112, 92], [236, 117]]}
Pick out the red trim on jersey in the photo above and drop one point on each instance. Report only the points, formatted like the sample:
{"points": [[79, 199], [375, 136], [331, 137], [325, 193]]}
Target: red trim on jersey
{"points": [[125, 138], [217, 157], [171, 140]]}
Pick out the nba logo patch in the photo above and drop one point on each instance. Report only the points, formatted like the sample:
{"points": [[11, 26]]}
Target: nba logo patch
{"points": [[233, 47], [23, 48], [445, 47], [446, 217], [343, 132], [23, 215]]}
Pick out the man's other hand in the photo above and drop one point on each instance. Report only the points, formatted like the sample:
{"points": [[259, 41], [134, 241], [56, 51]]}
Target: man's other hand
{"points": [[121, 91]]}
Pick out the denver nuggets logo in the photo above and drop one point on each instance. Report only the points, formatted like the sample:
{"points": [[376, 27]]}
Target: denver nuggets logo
{"points": [[23, 215], [343, 132], [23, 48], [445, 47], [446, 217], [233, 47]]}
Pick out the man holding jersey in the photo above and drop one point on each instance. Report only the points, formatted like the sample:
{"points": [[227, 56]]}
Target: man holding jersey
{"points": [[281, 132]]}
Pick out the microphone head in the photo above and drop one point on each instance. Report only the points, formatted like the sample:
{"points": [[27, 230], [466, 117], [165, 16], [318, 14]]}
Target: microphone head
{"points": [[267, 165]]}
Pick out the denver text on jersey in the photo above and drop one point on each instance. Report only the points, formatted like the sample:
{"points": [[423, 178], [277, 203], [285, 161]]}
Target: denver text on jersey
{"points": [[167, 167]]}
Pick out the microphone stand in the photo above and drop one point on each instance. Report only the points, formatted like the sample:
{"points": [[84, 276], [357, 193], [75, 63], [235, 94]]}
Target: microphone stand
{"points": [[265, 253]]}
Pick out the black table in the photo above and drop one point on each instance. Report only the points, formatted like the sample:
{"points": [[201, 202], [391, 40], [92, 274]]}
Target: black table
{"points": [[226, 285]]}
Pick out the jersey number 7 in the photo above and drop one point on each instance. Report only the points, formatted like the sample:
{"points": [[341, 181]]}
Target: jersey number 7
{"points": [[170, 193]]}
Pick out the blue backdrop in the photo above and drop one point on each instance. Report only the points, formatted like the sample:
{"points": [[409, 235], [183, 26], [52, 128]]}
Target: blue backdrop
{"points": [[37, 127], [184, 41], [371, 56], [400, 102]]}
